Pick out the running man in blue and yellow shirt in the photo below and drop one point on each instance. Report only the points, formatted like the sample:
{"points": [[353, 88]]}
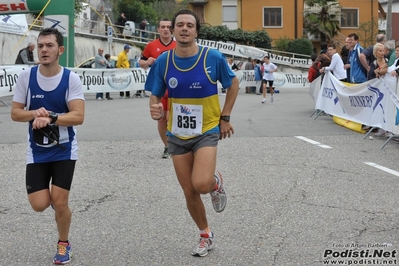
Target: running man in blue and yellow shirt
{"points": [[196, 122]]}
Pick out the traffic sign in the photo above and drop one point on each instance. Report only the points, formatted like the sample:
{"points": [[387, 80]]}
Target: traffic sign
{"points": [[109, 33]]}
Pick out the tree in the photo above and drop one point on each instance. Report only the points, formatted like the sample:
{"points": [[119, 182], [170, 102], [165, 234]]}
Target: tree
{"points": [[136, 10], [367, 32], [300, 46], [152, 10], [322, 17], [168, 8], [221, 33], [282, 44], [78, 7]]}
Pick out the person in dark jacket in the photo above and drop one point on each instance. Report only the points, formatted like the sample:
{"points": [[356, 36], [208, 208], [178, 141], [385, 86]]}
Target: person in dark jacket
{"points": [[121, 22], [25, 56], [143, 28], [323, 57]]}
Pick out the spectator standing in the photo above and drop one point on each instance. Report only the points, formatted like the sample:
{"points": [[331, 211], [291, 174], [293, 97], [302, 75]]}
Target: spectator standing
{"points": [[367, 56], [258, 75], [62, 106], [379, 67], [268, 77], [390, 51], [357, 74], [232, 66], [121, 22], [314, 69], [249, 66], [123, 62], [394, 69], [108, 58], [323, 57], [143, 33], [101, 62], [195, 123], [344, 54], [347, 65], [25, 56], [336, 66], [150, 54]]}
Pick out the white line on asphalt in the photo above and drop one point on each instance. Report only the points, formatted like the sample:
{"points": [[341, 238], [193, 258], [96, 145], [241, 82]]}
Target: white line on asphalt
{"points": [[308, 140], [314, 142], [393, 172], [325, 146]]}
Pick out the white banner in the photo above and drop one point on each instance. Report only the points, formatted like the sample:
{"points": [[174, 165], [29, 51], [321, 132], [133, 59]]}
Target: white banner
{"points": [[372, 103], [15, 24], [281, 79], [244, 51], [93, 80], [108, 80], [59, 22]]}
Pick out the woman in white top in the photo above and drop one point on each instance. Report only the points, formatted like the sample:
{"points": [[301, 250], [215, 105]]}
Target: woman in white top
{"points": [[336, 65], [268, 77]]}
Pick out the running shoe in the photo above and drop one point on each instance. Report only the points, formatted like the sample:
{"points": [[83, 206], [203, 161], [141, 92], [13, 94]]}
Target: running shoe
{"points": [[205, 244], [64, 253], [219, 197], [165, 154], [271, 99], [264, 100]]}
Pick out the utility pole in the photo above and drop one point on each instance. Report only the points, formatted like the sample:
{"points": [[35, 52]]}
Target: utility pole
{"points": [[389, 21]]}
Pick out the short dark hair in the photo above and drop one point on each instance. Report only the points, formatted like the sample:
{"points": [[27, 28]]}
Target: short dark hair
{"points": [[187, 12], [354, 35], [323, 46], [332, 46], [164, 19], [107, 56], [52, 31], [313, 57]]}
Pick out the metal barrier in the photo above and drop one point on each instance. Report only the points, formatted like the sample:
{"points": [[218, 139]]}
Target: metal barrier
{"points": [[100, 28]]}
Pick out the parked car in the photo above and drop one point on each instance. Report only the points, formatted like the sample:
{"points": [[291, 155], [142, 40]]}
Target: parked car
{"points": [[89, 63], [130, 29]]}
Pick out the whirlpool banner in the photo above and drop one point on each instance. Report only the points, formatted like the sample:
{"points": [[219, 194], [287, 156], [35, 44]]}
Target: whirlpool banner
{"points": [[372, 103], [108, 80]]}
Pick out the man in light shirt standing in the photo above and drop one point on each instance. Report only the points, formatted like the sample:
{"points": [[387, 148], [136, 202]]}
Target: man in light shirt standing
{"points": [[337, 65]]}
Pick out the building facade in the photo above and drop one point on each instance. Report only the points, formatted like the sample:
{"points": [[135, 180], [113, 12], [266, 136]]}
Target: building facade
{"points": [[280, 18]]}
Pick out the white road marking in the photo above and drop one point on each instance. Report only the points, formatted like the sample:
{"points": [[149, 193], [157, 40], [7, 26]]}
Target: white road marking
{"points": [[314, 142], [308, 140], [325, 146], [383, 168]]}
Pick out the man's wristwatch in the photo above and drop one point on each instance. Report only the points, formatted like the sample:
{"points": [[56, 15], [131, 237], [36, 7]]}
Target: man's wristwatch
{"points": [[53, 117], [225, 118]]}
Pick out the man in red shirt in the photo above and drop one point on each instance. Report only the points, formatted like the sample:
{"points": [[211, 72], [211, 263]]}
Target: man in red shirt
{"points": [[150, 54]]}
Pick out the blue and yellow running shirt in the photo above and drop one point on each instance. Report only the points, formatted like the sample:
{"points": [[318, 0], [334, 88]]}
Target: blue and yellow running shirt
{"points": [[194, 107]]}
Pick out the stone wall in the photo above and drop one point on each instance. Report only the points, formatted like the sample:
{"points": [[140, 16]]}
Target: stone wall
{"points": [[85, 46]]}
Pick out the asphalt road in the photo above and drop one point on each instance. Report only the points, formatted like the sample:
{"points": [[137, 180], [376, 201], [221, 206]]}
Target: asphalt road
{"points": [[290, 202]]}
